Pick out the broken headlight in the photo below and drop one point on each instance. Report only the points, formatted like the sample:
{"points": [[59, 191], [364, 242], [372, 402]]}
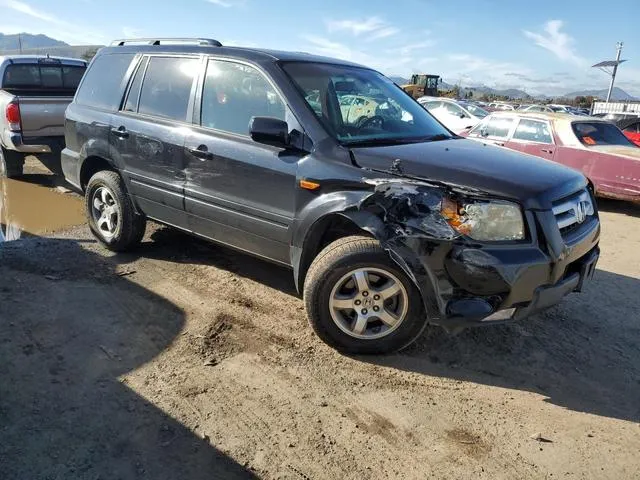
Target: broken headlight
{"points": [[484, 220]]}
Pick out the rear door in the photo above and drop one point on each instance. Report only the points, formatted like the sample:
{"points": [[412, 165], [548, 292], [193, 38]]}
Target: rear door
{"points": [[240, 192], [533, 137], [149, 133]]}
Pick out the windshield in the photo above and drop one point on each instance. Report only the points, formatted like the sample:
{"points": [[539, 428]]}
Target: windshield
{"points": [[359, 106], [600, 133], [475, 110]]}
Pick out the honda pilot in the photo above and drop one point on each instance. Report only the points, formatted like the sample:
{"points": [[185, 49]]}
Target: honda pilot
{"points": [[388, 221]]}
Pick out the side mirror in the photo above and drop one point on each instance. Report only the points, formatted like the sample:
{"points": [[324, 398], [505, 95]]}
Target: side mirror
{"points": [[270, 131], [463, 115]]}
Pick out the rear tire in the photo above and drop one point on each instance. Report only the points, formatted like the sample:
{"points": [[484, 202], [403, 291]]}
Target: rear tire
{"points": [[335, 279], [110, 213], [11, 163]]}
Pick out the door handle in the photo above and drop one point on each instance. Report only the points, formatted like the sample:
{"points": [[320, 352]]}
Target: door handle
{"points": [[202, 152], [546, 150], [500, 144], [120, 132]]}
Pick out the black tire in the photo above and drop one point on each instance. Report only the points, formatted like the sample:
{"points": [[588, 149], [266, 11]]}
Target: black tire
{"points": [[329, 267], [130, 226], [11, 163]]}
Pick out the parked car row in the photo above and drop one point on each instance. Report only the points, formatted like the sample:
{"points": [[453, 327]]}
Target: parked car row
{"points": [[455, 115], [595, 147], [388, 221]]}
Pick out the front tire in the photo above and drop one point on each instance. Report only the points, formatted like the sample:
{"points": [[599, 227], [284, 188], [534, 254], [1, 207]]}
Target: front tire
{"points": [[11, 163], [110, 213], [359, 301]]}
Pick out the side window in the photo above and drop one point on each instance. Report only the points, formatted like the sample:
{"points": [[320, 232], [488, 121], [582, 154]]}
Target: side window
{"points": [[134, 91], [533, 131], [166, 88], [233, 93], [453, 109], [345, 101], [431, 105], [101, 85], [497, 127]]}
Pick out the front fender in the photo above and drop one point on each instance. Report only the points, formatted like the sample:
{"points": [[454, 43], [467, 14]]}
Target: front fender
{"points": [[405, 218], [308, 225]]}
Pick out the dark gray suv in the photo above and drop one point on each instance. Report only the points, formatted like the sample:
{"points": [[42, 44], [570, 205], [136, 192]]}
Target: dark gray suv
{"points": [[388, 220]]}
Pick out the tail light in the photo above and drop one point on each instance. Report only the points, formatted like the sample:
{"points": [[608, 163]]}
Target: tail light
{"points": [[13, 116]]}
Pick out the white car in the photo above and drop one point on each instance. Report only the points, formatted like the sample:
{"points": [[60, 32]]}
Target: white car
{"points": [[456, 116]]}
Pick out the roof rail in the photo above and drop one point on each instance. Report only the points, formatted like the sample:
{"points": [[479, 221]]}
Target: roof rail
{"points": [[168, 41]]}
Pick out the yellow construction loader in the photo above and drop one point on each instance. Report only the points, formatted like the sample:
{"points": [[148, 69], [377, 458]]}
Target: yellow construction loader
{"points": [[422, 84]]}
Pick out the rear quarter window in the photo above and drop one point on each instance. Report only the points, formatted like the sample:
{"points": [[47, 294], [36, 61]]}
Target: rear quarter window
{"points": [[102, 86], [599, 133]]}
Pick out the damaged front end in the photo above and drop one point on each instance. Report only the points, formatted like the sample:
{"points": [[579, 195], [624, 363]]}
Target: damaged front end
{"points": [[475, 259]]}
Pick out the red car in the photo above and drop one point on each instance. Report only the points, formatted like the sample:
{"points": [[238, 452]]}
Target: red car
{"points": [[595, 147], [631, 129]]}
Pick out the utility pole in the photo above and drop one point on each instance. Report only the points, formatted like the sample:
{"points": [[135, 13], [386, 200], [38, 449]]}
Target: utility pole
{"points": [[615, 69], [613, 65], [20, 42]]}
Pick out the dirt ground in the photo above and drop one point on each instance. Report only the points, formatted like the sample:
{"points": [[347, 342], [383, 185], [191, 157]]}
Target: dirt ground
{"points": [[186, 360]]}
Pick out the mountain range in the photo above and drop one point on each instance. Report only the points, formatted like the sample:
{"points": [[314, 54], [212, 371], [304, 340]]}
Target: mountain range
{"points": [[27, 41], [40, 44], [478, 91]]}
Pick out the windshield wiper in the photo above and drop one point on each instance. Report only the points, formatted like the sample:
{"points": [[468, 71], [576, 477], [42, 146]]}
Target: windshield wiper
{"points": [[438, 137], [367, 142]]}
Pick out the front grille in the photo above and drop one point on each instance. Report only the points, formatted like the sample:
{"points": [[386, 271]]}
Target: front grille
{"points": [[573, 211]]}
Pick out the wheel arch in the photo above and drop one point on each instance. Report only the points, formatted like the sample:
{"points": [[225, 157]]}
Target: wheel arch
{"points": [[325, 230], [92, 165]]}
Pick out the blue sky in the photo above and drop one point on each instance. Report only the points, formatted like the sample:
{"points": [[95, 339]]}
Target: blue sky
{"points": [[542, 46]]}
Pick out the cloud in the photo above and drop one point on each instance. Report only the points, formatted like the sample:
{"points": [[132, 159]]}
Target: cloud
{"points": [[383, 33], [55, 27], [557, 42], [387, 61], [130, 32], [374, 27], [28, 10], [410, 49], [227, 3]]}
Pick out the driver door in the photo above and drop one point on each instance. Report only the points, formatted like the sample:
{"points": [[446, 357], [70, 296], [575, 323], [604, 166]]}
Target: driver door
{"points": [[240, 192]]}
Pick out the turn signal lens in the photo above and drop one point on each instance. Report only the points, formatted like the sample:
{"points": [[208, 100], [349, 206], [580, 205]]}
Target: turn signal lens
{"points": [[453, 212], [309, 185]]}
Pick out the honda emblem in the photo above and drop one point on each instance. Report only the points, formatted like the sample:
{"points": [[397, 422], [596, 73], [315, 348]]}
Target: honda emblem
{"points": [[581, 209]]}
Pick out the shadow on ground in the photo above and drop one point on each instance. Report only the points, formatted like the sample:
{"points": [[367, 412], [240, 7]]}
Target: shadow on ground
{"points": [[69, 329], [619, 206], [583, 354], [172, 245]]}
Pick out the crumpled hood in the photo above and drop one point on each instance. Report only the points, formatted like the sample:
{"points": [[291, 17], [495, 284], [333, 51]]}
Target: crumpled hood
{"points": [[498, 171]]}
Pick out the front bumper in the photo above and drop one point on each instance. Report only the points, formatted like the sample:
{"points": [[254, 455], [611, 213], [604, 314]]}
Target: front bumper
{"points": [[479, 285]]}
